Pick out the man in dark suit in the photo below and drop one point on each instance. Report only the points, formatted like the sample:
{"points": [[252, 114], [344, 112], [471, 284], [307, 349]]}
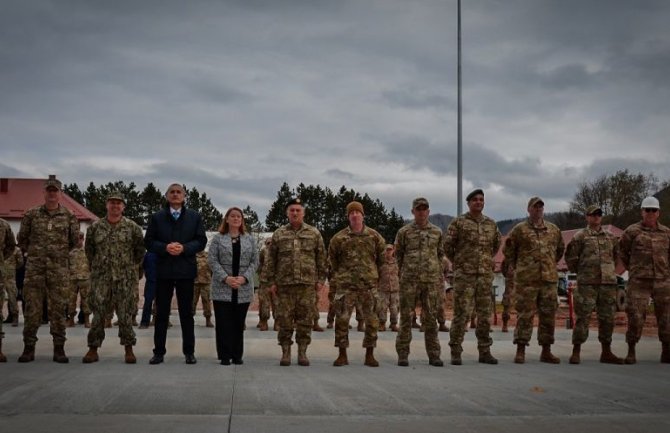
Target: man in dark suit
{"points": [[175, 234]]}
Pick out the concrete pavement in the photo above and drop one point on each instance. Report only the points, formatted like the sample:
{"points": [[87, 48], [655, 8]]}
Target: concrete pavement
{"points": [[260, 396]]}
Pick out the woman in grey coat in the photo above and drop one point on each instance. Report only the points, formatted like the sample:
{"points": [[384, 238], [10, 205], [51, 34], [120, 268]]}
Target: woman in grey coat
{"points": [[233, 258]]}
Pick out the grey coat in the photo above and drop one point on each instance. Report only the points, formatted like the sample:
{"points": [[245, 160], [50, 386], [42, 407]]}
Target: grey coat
{"points": [[220, 260]]}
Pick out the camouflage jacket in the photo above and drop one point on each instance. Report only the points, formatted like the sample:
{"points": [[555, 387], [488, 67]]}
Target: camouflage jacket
{"points": [[388, 276], [261, 266], [533, 252], [295, 257], [471, 245], [592, 255], [356, 258], [419, 252], [79, 265], [114, 251], [646, 251], [48, 237], [204, 275], [7, 245]]}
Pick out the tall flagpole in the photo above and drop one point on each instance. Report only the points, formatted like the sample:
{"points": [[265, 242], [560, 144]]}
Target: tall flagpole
{"points": [[459, 206]]}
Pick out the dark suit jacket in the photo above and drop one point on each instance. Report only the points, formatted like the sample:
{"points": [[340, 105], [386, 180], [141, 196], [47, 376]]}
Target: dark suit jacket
{"points": [[188, 230]]}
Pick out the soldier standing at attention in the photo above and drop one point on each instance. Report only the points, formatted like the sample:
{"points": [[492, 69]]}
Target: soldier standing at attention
{"points": [[389, 287], [356, 255], [419, 252], [508, 294], [471, 244], [80, 283], [115, 249], [645, 252], [295, 269], [592, 255], [7, 246], [267, 301], [533, 248], [202, 287], [48, 233]]}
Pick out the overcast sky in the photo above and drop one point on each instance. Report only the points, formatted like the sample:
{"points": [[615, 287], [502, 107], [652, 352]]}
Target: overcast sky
{"points": [[236, 97]]}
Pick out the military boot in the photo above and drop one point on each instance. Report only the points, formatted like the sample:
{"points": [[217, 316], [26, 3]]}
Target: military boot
{"points": [[341, 358], [630, 358], [370, 360], [285, 356], [414, 323], [329, 325], [574, 358], [504, 326], [394, 327], [443, 327], [485, 357], [209, 324], [302, 355], [87, 321], [108, 323], [382, 327], [275, 327], [130, 356], [402, 360], [59, 354], [263, 325], [435, 362], [28, 354], [91, 356], [547, 356], [665, 353], [607, 357], [456, 356], [3, 358], [520, 356], [361, 326], [69, 323], [316, 327]]}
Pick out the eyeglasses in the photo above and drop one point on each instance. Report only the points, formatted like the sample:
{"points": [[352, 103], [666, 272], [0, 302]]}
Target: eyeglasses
{"points": [[650, 210]]}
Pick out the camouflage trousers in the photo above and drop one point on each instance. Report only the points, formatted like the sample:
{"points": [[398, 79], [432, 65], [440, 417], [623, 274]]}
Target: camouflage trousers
{"points": [[388, 303], [202, 291], [52, 284], [541, 298], [267, 303], [639, 291], [440, 314], [471, 292], [507, 300], [12, 293], [104, 298], [332, 307], [81, 288], [2, 300], [295, 312], [603, 299], [410, 292], [345, 302]]}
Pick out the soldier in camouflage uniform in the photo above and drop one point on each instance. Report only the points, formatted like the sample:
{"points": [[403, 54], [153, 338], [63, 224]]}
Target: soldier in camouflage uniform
{"points": [[471, 243], [645, 252], [508, 294], [295, 269], [12, 262], [267, 301], [533, 248], [389, 288], [7, 246], [356, 255], [202, 287], [48, 233], [592, 255], [419, 252], [115, 249], [80, 283]]}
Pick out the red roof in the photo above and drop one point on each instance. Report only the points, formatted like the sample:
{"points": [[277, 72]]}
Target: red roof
{"points": [[19, 195], [567, 237]]}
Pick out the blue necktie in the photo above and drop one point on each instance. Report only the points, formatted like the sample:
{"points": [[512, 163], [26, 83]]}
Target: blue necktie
{"points": [[175, 214]]}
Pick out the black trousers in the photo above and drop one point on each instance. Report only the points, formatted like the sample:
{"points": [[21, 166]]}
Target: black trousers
{"points": [[229, 321], [164, 290]]}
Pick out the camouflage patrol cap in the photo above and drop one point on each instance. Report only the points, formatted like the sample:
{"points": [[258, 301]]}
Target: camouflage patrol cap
{"points": [[52, 182], [354, 205], [116, 195], [535, 200], [419, 201], [593, 208], [295, 200], [478, 191]]}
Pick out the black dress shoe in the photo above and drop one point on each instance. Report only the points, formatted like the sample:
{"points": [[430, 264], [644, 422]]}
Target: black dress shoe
{"points": [[190, 359], [225, 362], [156, 359], [238, 361]]}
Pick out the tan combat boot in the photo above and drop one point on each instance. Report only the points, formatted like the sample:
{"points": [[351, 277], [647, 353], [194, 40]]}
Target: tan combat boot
{"points": [[59, 354], [209, 324], [69, 323], [130, 356], [520, 356], [382, 327], [456, 356], [263, 325], [316, 327], [342, 358], [91, 356], [302, 355], [547, 356], [370, 360], [443, 327], [329, 325], [28, 354], [485, 357], [402, 360], [574, 358], [3, 358], [87, 321], [285, 356], [607, 357], [504, 326], [630, 358], [394, 327], [665, 353]]}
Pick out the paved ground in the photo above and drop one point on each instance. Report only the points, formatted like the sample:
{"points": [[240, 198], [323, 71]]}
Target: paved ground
{"points": [[260, 396]]}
